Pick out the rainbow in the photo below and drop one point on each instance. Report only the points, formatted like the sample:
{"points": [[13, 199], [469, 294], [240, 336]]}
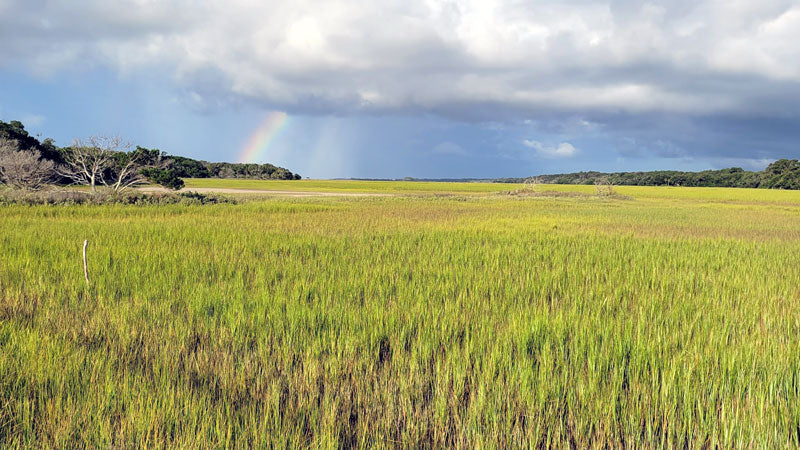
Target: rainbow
{"points": [[258, 143]]}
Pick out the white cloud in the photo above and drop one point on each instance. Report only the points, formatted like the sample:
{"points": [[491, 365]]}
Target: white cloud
{"points": [[452, 57], [562, 150]]}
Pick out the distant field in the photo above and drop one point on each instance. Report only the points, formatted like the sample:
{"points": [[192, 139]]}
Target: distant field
{"points": [[349, 186], [466, 319], [762, 196]]}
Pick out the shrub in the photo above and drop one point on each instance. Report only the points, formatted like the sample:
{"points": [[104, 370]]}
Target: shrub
{"points": [[76, 197], [164, 177], [204, 199]]}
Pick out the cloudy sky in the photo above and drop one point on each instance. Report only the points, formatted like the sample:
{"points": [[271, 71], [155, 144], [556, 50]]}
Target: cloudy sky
{"points": [[423, 88]]}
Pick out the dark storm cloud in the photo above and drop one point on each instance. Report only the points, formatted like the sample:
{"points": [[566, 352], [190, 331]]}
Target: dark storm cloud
{"points": [[677, 80]]}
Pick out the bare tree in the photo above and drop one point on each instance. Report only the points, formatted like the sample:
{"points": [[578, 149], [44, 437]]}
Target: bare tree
{"points": [[87, 161], [604, 187], [227, 172], [127, 168], [23, 169], [530, 183]]}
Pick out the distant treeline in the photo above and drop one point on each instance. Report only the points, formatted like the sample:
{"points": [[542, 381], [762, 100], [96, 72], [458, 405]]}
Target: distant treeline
{"points": [[781, 174], [192, 168], [180, 166]]}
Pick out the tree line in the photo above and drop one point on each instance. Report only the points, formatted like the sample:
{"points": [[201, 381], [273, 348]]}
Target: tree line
{"points": [[781, 174], [28, 163], [192, 168]]}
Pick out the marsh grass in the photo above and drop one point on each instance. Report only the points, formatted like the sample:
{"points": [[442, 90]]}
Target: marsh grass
{"points": [[529, 191], [402, 321], [72, 195], [678, 195]]}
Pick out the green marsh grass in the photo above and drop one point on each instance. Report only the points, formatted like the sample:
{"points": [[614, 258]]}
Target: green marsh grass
{"points": [[663, 193], [467, 321], [352, 186]]}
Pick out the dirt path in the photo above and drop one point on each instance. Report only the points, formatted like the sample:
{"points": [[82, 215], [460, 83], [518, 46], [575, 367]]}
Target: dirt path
{"points": [[270, 192]]}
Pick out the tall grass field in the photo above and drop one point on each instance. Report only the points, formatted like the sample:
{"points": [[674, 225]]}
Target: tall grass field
{"points": [[438, 316]]}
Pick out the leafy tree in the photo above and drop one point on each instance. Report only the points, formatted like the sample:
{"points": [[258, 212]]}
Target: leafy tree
{"points": [[783, 174], [164, 177], [15, 131], [189, 168], [127, 168], [783, 166]]}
